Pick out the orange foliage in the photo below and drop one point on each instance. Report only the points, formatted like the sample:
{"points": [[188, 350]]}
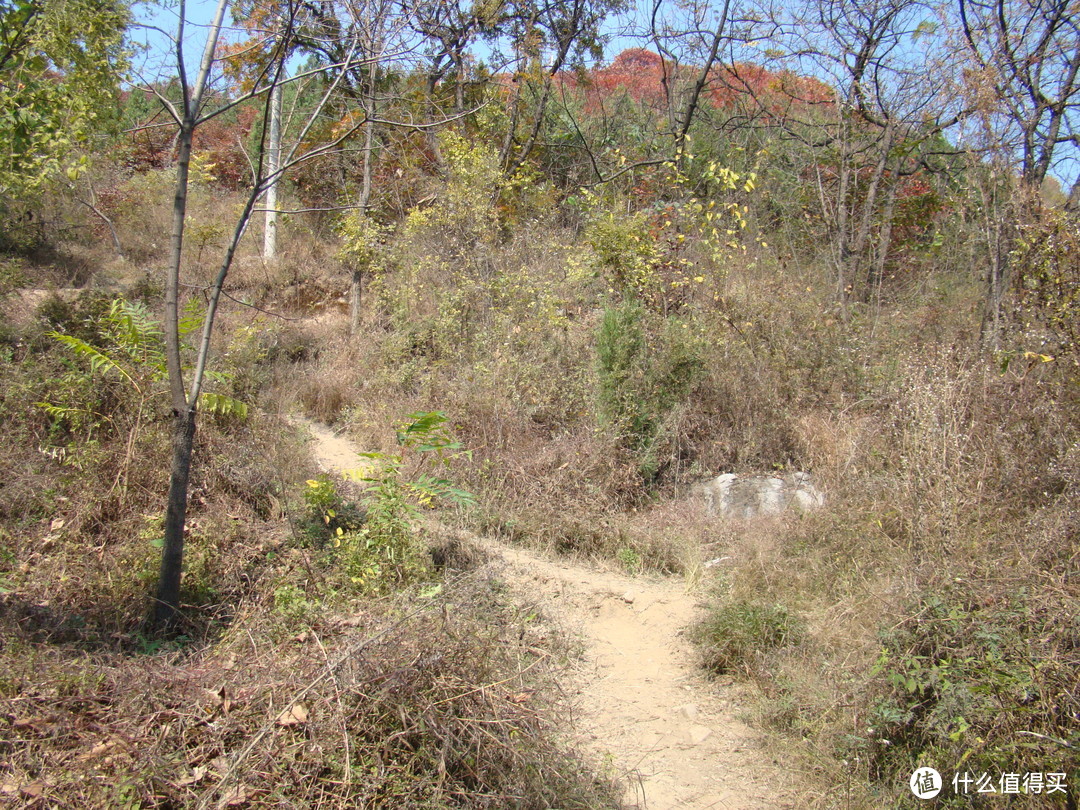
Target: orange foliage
{"points": [[641, 74]]}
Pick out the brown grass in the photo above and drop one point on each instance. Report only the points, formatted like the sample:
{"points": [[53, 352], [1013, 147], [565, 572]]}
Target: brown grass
{"points": [[419, 704], [949, 533]]}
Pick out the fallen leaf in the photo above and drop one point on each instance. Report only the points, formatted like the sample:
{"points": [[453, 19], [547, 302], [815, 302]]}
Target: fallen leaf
{"points": [[34, 790], [293, 716], [349, 621], [196, 775], [238, 795], [219, 697], [101, 749]]}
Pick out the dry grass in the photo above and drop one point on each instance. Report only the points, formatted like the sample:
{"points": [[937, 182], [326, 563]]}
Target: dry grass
{"points": [[949, 534], [443, 705], [949, 494], [425, 703]]}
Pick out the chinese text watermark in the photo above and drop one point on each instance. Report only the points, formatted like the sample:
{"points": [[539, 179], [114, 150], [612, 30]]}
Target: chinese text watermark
{"points": [[926, 783]]}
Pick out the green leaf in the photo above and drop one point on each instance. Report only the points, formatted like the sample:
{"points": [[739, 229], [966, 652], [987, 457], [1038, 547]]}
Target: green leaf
{"points": [[99, 361], [192, 319], [223, 405]]}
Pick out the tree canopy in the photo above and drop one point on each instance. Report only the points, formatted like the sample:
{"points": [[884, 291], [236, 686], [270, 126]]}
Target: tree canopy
{"points": [[60, 67]]}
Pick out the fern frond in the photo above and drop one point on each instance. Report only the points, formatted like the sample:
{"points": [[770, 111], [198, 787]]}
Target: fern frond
{"points": [[61, 412], [440, 488], [99, 361], [192, 319], [136, 331]]}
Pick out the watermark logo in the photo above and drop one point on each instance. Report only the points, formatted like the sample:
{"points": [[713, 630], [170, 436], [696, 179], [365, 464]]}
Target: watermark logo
{"points": [[925, 783]]}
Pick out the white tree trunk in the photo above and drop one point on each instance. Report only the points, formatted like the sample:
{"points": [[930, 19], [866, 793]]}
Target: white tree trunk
{"points": [[273, 166]]}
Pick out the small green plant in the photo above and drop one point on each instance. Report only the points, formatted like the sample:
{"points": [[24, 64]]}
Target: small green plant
{"points": [[329, 514], [645, 371], [630, 560], [624, 252], [734, 635], [149, 645], [362, 241], [293, 605], [385, 552]]}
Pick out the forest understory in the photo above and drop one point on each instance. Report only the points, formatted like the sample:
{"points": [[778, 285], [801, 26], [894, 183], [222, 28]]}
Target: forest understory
{"points": [[375, 486]]}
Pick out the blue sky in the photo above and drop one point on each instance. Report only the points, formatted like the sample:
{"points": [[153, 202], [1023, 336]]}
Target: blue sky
{"points": [[157, 61]]}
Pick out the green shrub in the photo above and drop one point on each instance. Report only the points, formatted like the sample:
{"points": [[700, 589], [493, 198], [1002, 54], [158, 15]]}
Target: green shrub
{"points": [[624, 252], [646, 369], [734, 636], [294, 606], [630, 560], [374, 542], [328, 514], [974, 679]]}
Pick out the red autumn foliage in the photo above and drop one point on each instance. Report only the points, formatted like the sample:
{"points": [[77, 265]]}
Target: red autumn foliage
{"points": [[223, 141], [646, 77], [151, 144]]}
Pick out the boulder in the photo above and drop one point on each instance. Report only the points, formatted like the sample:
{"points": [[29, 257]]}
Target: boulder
{"points": [[750, 496]]}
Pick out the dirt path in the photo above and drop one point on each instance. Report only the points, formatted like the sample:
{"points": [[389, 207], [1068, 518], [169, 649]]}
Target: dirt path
{"points": [[641, 706]]}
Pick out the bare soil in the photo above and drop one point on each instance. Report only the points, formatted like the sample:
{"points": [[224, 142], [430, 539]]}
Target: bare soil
{"points": [[642, 709]]}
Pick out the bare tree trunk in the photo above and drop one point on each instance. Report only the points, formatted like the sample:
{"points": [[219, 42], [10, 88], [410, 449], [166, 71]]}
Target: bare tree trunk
{"points": [[1073, 203], [459, 84], [184, 413], [172, 555], [172, 278], [990, 329], [858, 244], [842, 238], [430, 135], [273, 164], [877, 269], [188, 115], [356, 286], [511, 129]]}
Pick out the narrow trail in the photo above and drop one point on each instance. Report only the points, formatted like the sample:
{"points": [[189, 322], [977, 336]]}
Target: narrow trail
{"points": [[641, 707]]}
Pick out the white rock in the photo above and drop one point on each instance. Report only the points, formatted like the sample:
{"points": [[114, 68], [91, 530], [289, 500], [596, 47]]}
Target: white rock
{"points": [[731, 495], [699, 734], [689, 711]]}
